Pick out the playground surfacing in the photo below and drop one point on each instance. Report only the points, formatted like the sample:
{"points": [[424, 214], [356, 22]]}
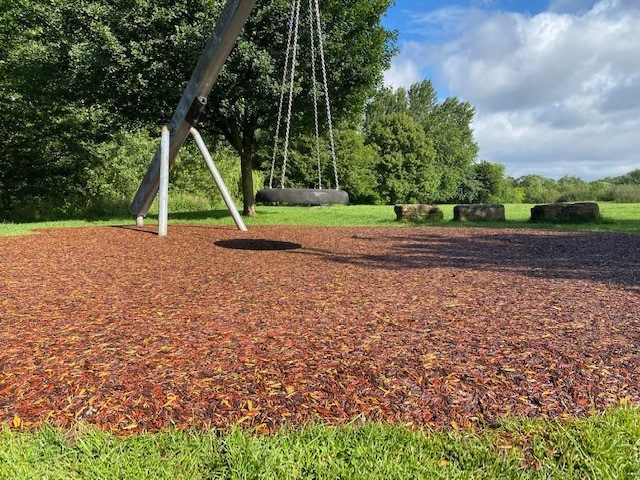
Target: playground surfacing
{"points": [[281, 326]]}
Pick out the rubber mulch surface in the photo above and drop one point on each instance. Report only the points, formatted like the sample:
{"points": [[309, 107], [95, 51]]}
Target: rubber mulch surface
{"points": [[437, 326]]}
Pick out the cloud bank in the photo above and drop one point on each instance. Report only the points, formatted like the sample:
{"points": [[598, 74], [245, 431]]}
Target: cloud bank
{"points": [[557, 92]]}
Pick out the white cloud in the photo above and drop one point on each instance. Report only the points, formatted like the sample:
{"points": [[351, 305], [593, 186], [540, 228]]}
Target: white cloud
{"points": [[557, 93], [403, 72]]}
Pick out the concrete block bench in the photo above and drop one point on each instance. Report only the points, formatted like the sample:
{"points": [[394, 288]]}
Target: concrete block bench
{"points": [[479, 213], [565, 212], [418, 212]]}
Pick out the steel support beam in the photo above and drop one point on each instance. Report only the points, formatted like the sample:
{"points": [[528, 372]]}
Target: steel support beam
{"points": [[226, 196], [218, 48]]}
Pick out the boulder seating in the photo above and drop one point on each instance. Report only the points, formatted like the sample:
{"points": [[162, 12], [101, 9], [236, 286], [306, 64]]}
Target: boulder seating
{"points": [[565, 212], [418, 212], [479, 213]]}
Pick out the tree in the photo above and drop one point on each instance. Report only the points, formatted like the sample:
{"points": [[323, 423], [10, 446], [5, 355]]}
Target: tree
{"points": [[447, 125], [539, 189], [72, 73], [407, 169], [109, 66], [632, 177], [491, 177]]}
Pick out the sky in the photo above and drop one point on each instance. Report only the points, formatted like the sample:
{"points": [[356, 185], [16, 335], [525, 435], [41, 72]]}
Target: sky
{"points": [[556, 83]]}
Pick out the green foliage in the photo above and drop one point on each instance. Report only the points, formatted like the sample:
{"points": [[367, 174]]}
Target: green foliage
{"points": [[625, 193], [491, 177], [357, 167], [487, 183], [73, 71], [115, 176], [573, 189], [122, 161], [70, 72], [631, 178], [539, 189], [407, 169], [602, 447], [446, 126], [450, 129]]}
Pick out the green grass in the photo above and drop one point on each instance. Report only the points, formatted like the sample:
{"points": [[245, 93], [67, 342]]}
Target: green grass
{"points": [[616, 218], [602, 447]]}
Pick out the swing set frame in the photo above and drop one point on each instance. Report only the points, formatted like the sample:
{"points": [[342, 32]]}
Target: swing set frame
{"points": [[185, 118], [194, 99]]}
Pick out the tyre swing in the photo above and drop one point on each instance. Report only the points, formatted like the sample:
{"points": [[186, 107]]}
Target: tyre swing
{"points": [[303, 196]]}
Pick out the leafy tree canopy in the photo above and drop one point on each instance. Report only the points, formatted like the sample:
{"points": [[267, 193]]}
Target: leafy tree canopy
{"points": [[80, 69], [407, 168], [447, 126]]}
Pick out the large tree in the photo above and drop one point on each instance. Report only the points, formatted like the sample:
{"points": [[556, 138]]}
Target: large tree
{"points": [[447, 126], [245, 100], [407, 168], [79, 69]]}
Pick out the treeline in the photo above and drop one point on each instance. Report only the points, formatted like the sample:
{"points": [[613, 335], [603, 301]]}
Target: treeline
{"points": [[538, 189], [412, 148], [86, 84], [80, 78]]}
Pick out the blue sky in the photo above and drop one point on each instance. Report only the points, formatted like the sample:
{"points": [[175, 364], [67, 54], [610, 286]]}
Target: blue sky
{"points": [[556, 83]]}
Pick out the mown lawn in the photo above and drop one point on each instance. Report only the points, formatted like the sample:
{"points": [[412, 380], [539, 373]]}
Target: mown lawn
{"points": [[602, 447], [616, 218]]}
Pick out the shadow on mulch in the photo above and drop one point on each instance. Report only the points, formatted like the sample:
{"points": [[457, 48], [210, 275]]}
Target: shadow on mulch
{"points": [[253, 244], [135, 229], [608, 258]]}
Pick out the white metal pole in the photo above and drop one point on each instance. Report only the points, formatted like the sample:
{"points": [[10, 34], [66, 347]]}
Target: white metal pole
{"points": [[163, 215], [226, 196]]}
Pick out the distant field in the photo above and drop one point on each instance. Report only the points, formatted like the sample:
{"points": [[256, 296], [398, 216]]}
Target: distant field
{"points": [[616, 218]]}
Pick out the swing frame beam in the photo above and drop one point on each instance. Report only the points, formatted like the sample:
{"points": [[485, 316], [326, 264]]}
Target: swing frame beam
{"points": [[218, 48]]}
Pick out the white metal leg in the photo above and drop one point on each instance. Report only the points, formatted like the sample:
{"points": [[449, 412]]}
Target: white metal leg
{"points": [[163, 215], [219, 181]]}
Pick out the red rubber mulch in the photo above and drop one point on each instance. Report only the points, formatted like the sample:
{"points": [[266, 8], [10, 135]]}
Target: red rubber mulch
{"points": [[430, 326]]}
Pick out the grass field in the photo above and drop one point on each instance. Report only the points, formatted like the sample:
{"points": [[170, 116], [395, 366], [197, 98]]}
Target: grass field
{"points": [[602, 447], [615, 218]]}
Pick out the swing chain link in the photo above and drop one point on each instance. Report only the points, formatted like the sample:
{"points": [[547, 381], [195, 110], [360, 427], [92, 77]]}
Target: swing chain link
{"points": [[282, 94], [314, 57], [294, 64], [291, 62], [326, 94]]}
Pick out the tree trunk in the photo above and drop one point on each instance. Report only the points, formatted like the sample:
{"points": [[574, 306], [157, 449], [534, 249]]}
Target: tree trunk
{"points": [[248, 194]]}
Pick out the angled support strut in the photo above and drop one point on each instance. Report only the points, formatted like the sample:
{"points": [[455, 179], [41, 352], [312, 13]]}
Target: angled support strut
{"points": [[216, 52]]}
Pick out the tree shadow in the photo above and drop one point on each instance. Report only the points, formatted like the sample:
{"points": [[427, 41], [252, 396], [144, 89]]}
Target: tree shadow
{"points": [[600, 257]]}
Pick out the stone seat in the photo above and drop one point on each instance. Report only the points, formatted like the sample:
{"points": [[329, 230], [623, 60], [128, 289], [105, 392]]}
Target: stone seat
{"points": [[479, 213], [565, 212], [418, 212]]}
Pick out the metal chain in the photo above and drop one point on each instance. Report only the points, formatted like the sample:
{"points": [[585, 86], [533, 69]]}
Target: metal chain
{"points": [[326, 94], [282, 94], [294, 61], [314, 57]]}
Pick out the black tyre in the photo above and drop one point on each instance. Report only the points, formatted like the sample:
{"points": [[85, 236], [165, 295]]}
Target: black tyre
{"points": [[302, 196]]}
